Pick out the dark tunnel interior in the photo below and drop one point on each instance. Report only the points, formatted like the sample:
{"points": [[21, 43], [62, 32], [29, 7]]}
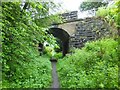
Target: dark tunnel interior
{"points": [[63, 36]]}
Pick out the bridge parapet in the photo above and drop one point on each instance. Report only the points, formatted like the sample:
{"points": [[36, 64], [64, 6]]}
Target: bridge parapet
{"points": [[70, 16]]}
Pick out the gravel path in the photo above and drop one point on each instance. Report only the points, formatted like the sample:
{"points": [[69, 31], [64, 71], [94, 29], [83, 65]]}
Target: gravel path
{"points": [[55, 83]]}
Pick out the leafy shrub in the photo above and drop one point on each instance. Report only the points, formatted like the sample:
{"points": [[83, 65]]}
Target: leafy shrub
{"points": [[50, 49], [94, 66], [58, 55], [35, 73], [22, 24], [102, 11], [111, 13]]}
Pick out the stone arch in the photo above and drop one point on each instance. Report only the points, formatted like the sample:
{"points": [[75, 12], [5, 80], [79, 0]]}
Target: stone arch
{"points": [[63, 36]]}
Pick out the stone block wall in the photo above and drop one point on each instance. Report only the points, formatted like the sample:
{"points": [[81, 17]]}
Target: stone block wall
{"points": [[70, 16], [88, 29]]}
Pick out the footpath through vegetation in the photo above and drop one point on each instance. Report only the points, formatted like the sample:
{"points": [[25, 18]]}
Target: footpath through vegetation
{"points": [[25, 26]]}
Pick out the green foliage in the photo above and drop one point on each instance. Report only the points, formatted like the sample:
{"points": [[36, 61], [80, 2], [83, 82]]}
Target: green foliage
{"points": [[94, 66], [58, 55], [111, 13], [33, 74], [50, 50], [102, 11], [21, 32], [89, 5]]}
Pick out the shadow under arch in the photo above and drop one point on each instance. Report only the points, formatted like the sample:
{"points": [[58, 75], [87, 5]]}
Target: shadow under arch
{"points": [[63, 36]]}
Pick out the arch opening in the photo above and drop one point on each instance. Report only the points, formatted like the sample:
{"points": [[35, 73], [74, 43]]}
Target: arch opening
{"points": [[63, 36]]}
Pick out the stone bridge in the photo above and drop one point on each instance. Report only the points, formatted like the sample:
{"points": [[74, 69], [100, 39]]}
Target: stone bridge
{"points": [[81, 30]]}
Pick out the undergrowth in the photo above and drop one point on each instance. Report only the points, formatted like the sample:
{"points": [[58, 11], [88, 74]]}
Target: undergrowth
{"points": [[93, 66]]}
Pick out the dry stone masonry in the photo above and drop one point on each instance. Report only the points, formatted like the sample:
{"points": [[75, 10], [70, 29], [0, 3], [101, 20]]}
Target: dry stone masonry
{"points": [[70, 16], [88, 29], [83, 30]]}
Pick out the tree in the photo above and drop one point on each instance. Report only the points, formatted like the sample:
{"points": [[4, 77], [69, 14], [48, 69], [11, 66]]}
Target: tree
{"points": [[22, 29], [89, 5]]}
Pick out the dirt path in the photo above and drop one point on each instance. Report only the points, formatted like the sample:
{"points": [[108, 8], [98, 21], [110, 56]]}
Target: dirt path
{"points": [[55, 83]]}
